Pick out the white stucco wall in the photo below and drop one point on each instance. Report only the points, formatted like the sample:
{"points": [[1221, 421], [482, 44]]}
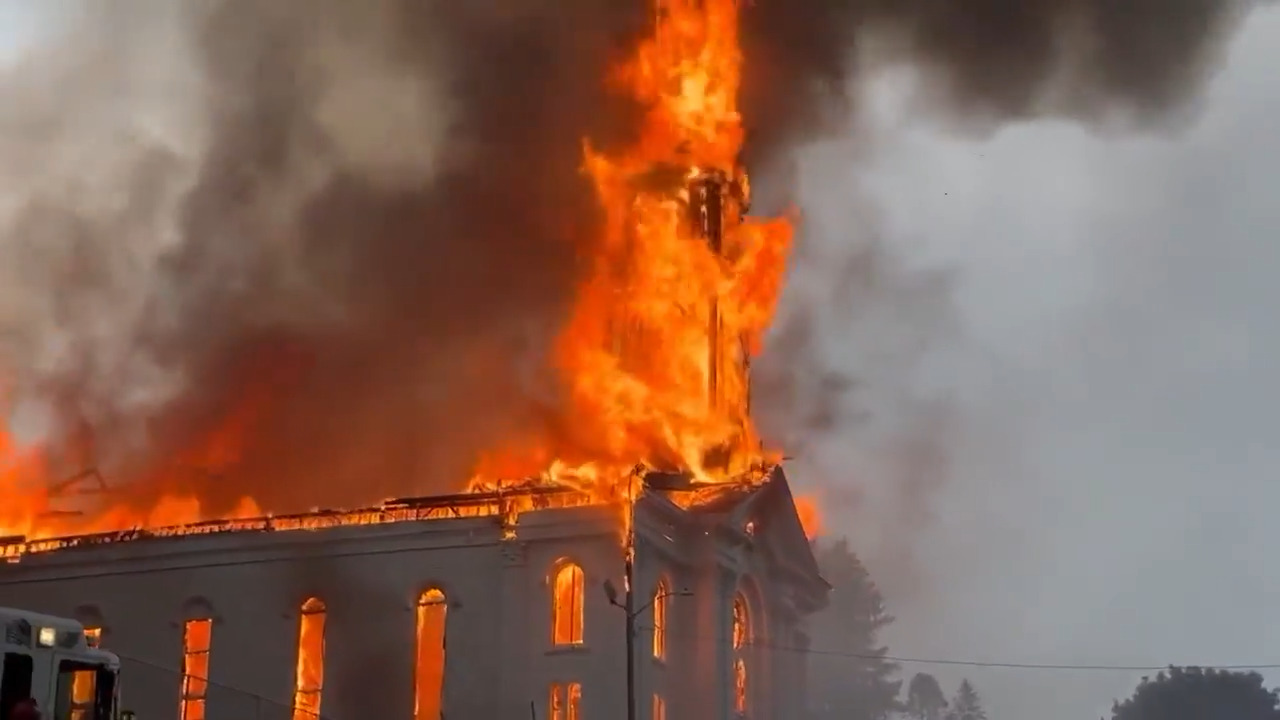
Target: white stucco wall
{"points": [[500, 658]]}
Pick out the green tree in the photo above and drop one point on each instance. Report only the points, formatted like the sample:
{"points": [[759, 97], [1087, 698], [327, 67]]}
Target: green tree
{"points": [[849, 677], [966, 705], [925, 700], [1194, 693]]}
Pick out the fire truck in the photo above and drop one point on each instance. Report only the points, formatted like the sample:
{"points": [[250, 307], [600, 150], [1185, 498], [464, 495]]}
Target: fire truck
{"points": [[51, 660]]}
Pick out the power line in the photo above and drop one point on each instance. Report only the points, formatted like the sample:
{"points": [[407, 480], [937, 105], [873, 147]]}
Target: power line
{"points": [[989, 664], [1020, 665]]}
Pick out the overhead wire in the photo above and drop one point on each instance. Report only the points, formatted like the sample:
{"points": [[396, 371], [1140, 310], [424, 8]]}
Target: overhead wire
{"points": [[1012, 665]]}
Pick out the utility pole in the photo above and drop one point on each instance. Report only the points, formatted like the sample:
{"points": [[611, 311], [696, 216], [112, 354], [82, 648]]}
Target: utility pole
{"points": [[630, 609], [627, 604]]}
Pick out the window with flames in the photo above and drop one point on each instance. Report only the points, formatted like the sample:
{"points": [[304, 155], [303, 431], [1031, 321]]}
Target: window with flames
{"points": [[741, 641], [429, 673], [568, 586], [197, 638], [565, 701], [660, 597], [309, 683]]}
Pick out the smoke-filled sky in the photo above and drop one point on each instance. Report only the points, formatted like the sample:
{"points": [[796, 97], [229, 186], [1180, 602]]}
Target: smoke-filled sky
{"points": [[1057, 339], [1112, 431]]}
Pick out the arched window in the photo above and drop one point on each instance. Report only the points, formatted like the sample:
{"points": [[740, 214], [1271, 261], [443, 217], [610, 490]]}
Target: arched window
{"points": [[197, 639], [741, 623], [660, 598], [567, 590], [429, 672], [309, 683], [741, 639]]}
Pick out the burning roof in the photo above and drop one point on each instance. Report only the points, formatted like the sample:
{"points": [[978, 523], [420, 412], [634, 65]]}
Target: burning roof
{"points": [[504, 505], [654, 355]]}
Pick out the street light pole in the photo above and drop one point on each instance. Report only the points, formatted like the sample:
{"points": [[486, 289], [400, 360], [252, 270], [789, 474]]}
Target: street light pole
{"points": [[627, 604], [630, 610]]}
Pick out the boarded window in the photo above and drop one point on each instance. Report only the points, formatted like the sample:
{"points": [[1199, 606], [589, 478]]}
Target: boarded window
{"points": [[566, 605], [429, 673], [565, 701], [197, 636], [309, 684]]}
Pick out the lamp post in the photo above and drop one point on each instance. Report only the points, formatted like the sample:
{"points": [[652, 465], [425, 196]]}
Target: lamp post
{"points": [[627, 604]]}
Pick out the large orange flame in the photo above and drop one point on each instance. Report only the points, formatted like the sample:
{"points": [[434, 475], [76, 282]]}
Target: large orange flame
{"points": [[656, 350]]}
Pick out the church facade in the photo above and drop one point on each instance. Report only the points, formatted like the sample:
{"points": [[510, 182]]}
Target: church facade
{"points": [[423, 611]]}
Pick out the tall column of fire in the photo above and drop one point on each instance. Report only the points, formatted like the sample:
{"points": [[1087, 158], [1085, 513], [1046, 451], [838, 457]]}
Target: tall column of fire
{"points": [[717, 201], [680, 287]]}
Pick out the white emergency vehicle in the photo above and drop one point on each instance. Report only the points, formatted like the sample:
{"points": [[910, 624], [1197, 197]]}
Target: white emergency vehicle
{"points": [[50, 660]]}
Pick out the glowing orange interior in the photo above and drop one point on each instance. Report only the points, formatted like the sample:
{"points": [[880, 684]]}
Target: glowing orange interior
{"points": [[309, 682], [196, 638], [429, 674]]}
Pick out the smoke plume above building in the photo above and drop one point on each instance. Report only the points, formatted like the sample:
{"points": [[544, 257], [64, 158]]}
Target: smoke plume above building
{"points": [[314, 252]]}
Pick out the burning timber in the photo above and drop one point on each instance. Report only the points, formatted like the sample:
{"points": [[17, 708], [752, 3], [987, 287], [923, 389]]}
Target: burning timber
{"points": [[502, 505], [477, 605]]}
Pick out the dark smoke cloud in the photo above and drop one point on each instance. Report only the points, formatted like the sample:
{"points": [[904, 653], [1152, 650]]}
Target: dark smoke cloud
{"points": [[993, 60], [841, 385], [347, 228], [343, 233]]}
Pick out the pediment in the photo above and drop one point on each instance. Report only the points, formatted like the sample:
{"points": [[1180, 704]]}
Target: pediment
{"points": [[776, 527]]}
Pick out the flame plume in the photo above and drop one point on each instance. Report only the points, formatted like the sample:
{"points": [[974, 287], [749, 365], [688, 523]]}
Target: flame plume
{"points": [[655, 353]]}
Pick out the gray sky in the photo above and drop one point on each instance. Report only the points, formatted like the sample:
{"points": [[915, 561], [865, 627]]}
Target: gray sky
{"points": [[20, 22], [1110, 498]]}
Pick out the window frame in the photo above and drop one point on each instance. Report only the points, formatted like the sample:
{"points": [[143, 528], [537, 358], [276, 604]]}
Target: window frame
{"points": [[310, 608], [740, 644], [575, 619], [194, 689], [432, 597], [661, 619], [564, 701]]}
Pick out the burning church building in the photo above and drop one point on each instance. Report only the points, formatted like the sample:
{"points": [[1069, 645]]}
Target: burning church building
{"points": [[655, 562], [442, 607]]}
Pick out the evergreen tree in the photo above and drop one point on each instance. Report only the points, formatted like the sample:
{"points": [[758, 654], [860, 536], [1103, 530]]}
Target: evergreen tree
{"points": [[1199, 694], [925, 700], [966, 705], [849, 677]]}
